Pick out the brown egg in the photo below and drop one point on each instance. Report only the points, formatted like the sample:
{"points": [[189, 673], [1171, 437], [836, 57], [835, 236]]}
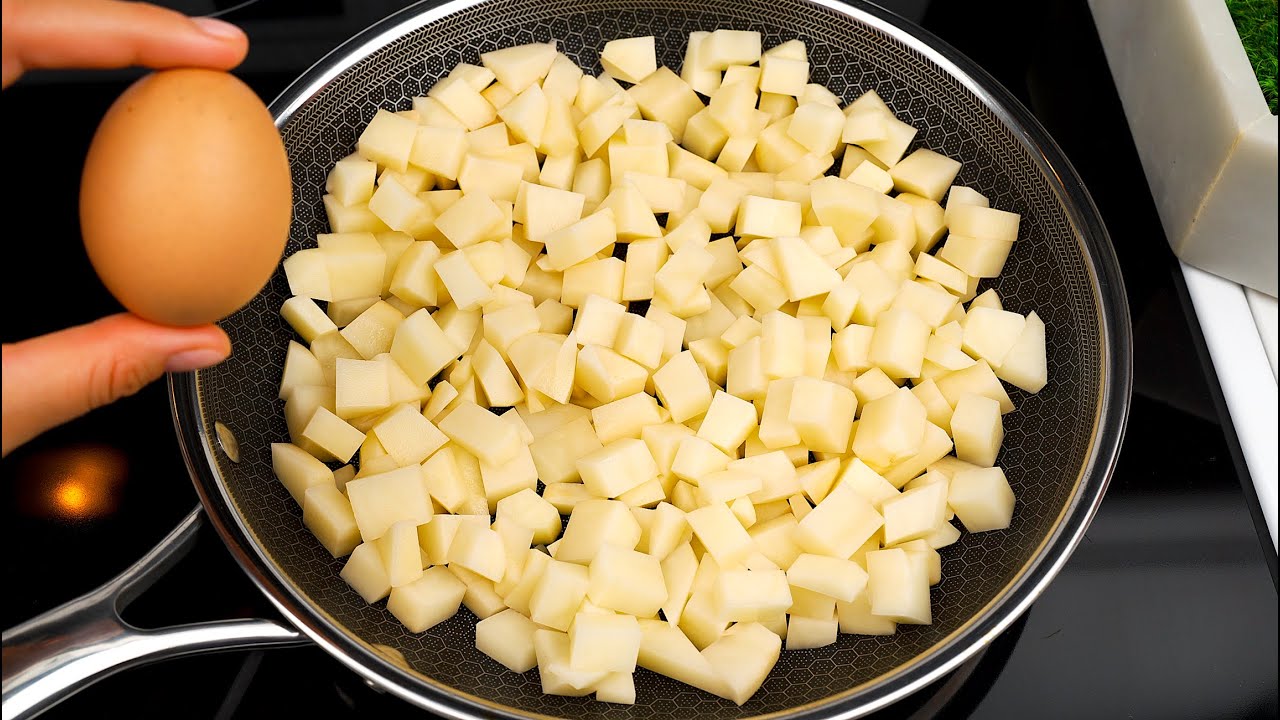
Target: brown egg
{"points": [[186, 197]]}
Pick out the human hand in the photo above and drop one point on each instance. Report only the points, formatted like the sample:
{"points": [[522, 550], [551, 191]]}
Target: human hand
{"points": [[51, 379]]}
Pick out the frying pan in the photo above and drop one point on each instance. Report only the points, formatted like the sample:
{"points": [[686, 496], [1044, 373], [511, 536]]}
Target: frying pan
{"points": [[1059, 450]]}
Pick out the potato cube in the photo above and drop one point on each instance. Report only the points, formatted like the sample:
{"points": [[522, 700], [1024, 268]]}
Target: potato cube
{"points": [[915, 513], [362, 387], [856, 619], [749, 595], [765, 217], [627, 581], [833, 577], [1025, 364], [607, 375], [977, 257], [604, 643], [479, 549], [559, 594], [719, 203], [871, 176], [509, 477], [617, 467], [629, 59], [803, 272], [332, 435], [977, 378], [822, 414], [697, 457], [781, 335], [414, 279], [743, 659], [723, 48], [387, 140], [625, 418], [782, 75], [300, 368], [982, 499], [666, 650], [729, 420], [890, 429], [990, 333], [683, 387], [482, 433], [507, 637], [555, 455], [593, 524], [977, 429], [898, 343], [400, 553], [817, 126], [428, 601], [356, 264], [351, 180], [898, 588], [867, 483], [816, 479], [306, 318], [366, 575], [327, 514], [838, 525], [530, 510], [721, 534], [379, 501]]}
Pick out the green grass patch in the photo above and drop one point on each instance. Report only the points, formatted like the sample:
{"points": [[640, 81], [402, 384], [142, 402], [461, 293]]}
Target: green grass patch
{"points": [[1256, 22]]}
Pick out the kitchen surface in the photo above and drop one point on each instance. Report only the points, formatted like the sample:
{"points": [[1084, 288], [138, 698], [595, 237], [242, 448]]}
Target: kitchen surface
{"points": [[1167, 610]]}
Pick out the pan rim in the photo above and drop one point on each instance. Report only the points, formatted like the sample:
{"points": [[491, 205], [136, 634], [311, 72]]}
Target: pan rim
{"points": [[1110, 416]]}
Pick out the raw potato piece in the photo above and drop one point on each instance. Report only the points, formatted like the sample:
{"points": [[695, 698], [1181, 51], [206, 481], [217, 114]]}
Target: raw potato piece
{"points": [[743, 658], [508, 638], [630, 60], [982, 499], [428, 601], [977, 429]]}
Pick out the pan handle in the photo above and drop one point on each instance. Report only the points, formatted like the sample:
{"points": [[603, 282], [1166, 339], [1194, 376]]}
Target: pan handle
{"points": [[54, 655]]}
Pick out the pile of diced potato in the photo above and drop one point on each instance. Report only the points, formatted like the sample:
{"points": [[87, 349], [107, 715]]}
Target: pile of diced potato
{"points": [[741, 378]]}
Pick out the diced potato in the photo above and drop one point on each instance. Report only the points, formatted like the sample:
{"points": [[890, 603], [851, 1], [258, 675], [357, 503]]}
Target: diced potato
{"points": [[890, 429], [977, 429], [627, 581], [749, 595], [593, 524], [837, 578], [629, 59], [982, 499], [743, 659], [327, 514], [897, 587], [298, 470], [838, 525], [558, 595], [1025, 364], [915, 513], [400, 553], [379, 501], [682, 387], [428, 601], [507, 637], [822, 414], [482, 433], [387, 140], [366, 575], [805, 633], [721, 534], [617, 467]]}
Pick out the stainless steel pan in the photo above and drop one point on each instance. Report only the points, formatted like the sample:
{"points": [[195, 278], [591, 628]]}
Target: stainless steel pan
{"points": [[1060, 447]]}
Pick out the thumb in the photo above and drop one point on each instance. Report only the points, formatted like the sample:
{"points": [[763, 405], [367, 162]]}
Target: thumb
{"points": [[53, 378]]}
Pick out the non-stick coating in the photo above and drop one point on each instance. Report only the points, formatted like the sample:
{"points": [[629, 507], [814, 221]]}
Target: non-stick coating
{"points": [[1048, 438]]}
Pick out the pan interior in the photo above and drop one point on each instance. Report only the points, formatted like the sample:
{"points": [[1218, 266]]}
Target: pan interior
{"points": [[1047, 440]]}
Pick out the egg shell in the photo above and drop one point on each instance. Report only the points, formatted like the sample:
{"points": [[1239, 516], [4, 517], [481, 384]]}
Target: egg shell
{"points": [[186, 197]]}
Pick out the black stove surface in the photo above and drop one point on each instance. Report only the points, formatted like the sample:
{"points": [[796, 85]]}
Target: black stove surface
{"points": [[1167, 610]]}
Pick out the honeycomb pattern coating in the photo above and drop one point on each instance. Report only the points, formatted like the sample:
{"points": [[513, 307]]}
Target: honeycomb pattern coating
{"points": [[1047, 440]]}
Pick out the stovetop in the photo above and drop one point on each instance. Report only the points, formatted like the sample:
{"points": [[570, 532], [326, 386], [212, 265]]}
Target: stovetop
{"points": [[1167, 610]]}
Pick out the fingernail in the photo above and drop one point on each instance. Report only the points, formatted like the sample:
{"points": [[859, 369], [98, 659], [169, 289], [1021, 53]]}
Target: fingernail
{"points": [[193, 360], [218, 28]]}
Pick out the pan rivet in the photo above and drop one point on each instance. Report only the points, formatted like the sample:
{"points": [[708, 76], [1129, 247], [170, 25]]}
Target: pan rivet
{"points": [[227, 441]]}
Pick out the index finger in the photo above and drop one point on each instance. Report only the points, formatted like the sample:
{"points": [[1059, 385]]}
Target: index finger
{"points": [[113, 34]]}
